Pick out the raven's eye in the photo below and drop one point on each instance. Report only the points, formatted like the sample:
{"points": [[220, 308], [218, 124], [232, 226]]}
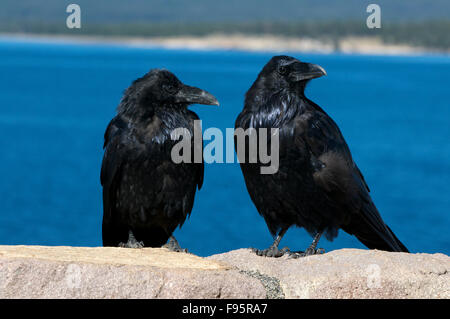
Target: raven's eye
{"points": [[282, 70], [169, 88]]}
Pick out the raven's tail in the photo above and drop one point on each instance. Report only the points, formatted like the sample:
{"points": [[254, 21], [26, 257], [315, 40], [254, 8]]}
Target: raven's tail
{"points": [[398, 242], [374, 233], [387, 241], [113, 235], [153, 236]]}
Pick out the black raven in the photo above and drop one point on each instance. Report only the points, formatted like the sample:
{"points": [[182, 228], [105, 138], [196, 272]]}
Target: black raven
{"points": [[317, 186], [146, 195]]}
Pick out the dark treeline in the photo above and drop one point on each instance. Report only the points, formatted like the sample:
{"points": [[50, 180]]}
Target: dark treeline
{"points": [[430, 34]]}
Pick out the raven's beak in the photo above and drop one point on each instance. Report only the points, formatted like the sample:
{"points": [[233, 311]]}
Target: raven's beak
{"points": [[306, 71], [192, 95]]}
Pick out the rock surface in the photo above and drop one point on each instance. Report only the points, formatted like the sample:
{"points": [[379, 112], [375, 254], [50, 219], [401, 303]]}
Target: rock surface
{"points": [[351, 273], [81, 272]]}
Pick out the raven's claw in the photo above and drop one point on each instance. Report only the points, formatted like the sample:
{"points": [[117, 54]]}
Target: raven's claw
{"points": [[308, 252], [173, 245], [272, 251]]}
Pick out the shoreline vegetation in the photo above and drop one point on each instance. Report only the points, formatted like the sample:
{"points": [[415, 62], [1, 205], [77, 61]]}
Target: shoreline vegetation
{"points": [[348, 37], [239, 42]]}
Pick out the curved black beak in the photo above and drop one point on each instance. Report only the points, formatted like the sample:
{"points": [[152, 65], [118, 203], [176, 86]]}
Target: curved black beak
{"points": [[192, 95], [306, 71]]}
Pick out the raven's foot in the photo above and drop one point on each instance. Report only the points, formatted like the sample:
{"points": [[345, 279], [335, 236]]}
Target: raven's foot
{"points": [[173, 245], [135, 244], [308, 252], [132, 242], [311, 250], [272, 251]]}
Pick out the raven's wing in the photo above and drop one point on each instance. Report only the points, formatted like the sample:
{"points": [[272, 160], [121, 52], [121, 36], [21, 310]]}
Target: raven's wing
{"points": [[114, 159], [341, 181], [200, 167], [147, 182]]}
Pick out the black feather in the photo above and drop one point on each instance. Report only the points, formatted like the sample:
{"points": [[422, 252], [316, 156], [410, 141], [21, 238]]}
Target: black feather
{"points": [[318, 186], [144, 191]]}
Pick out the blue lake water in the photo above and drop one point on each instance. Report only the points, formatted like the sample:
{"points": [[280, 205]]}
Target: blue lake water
{"points": [[56, 100]]}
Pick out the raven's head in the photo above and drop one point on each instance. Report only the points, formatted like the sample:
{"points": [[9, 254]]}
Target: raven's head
{"points": [[285, 72], [161, 88]]}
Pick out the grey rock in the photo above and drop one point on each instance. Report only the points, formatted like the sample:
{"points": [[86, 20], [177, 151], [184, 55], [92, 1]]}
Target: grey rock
{"points": [[76, 272], [351, 273], [80, 272]]}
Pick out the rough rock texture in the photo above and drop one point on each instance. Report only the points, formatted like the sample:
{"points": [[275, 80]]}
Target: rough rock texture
{"points": [[77, 272], [351, 273]]}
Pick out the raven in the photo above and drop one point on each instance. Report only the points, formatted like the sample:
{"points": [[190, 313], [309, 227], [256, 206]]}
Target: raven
{"points": [[145, 194], [318, 185]]}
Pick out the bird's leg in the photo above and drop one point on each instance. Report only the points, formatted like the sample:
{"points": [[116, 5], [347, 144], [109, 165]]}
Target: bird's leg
{"points": [[132, 242], [273, 250], [173, 245], [311, 250]]}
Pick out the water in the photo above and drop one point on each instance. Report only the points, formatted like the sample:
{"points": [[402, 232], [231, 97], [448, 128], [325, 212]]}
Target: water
{"points": [[56, 100]]}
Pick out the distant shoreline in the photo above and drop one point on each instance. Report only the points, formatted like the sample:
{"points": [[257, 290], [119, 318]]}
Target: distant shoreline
{"points": [[240, 42]]}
